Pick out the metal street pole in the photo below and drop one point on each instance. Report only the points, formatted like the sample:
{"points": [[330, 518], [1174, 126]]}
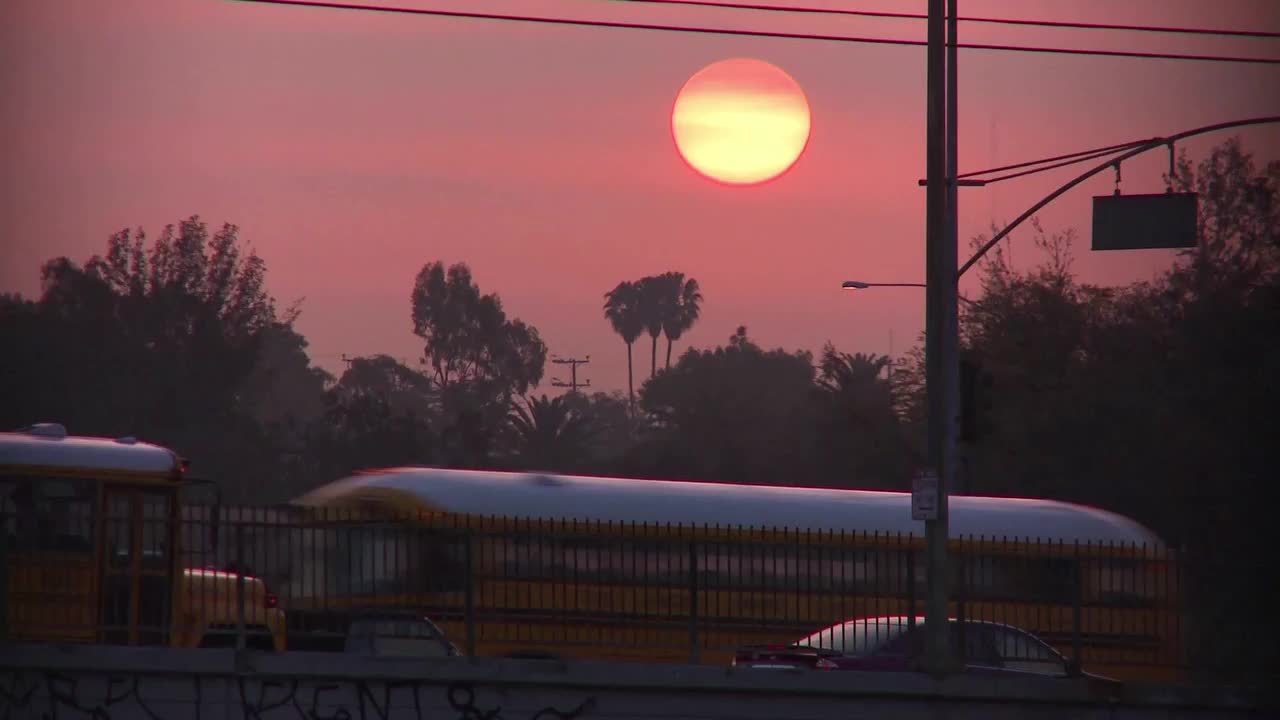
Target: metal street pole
{"points": [[951, 340], [940, 282]]}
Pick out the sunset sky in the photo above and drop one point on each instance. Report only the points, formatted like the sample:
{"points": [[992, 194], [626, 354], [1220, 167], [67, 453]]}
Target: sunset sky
{"points": [[351, 148]]}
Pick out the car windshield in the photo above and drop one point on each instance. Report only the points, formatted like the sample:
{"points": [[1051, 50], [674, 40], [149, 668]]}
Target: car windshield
{"points": [[860, 637]]}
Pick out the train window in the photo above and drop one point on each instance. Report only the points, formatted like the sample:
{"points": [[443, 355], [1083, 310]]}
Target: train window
{"points": [[720, 565], [1122, 582], [1028, 579], [52, 514]]}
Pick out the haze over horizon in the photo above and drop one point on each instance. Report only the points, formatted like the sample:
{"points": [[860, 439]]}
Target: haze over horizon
{"points": [[352, 148]]}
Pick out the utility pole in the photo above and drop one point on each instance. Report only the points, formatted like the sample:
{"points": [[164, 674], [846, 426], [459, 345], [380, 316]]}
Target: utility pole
{"points": [[951, 338], [940, 311], [573, 364]]}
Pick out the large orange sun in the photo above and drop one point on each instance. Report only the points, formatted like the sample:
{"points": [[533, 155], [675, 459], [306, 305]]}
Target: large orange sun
{"points": [[741, 121]]}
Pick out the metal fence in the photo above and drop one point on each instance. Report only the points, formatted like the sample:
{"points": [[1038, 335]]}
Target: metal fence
{"points": [[274, 578]]}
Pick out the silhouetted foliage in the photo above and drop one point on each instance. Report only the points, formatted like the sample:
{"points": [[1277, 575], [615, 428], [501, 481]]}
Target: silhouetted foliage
{"points": [[1157, 400], [549, 434], [662, 304], [283, 392], [861, 439], [612, 430], [479, 360], [378, 414], [469, 339], [159, 341], [622, 308], [681, 306], [653, 312], [735, 413]]}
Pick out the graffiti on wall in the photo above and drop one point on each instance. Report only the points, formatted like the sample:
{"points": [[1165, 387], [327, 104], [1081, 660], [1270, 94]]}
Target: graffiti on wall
{"points": [[52, 695]]}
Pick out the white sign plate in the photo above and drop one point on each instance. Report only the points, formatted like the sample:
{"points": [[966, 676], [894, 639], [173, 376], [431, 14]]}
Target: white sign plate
{"points": [[924, 496]]}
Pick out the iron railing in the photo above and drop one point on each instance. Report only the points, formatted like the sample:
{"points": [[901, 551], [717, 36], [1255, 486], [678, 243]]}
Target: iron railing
{"points": [[277, 578]]}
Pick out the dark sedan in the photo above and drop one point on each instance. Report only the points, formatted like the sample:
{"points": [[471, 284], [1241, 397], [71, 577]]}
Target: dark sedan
{"points": [[897, 643]]}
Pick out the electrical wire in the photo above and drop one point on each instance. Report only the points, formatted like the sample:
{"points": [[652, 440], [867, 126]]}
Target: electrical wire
{"points": [[1064, 163], [1094, 152], [703, 30], [983, 20]]}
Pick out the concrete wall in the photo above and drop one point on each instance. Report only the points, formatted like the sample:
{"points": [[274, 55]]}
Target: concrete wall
{"points": [[144, 683]]}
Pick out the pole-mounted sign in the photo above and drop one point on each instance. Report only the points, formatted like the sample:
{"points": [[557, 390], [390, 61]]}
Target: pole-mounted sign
{"points": [[924, 496], [1145, 222]]}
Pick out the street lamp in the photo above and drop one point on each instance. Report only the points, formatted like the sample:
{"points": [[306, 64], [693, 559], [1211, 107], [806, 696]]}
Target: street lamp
{"points": [[859, 285]]}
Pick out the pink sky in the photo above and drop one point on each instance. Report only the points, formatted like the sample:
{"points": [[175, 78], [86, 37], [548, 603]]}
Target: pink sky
{"points": [[352, 148]]}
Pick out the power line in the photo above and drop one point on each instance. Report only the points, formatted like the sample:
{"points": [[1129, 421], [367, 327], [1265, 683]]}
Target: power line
{"points": [[983, 20], [704, 30], [1055, 166], [1082, 153], [1052, 163]]}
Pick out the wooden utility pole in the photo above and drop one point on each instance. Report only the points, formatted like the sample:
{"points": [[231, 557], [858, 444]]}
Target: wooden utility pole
{"points": [[573, 364]]}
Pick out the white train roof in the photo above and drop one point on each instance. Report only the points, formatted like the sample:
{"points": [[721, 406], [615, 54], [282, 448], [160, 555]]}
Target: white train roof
{"points": [[561, 497], [48, 445]]}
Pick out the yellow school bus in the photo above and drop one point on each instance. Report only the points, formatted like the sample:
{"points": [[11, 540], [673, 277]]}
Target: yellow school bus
{"points": [[522, 564], [91, 549]]}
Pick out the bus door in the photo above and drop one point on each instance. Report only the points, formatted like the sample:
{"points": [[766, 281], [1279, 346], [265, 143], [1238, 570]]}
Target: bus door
{"points": [[48, 558], [137, 565]]}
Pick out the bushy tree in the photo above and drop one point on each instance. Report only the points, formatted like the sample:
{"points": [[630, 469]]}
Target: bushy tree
{"points": [[160, 340], [735, 413]]}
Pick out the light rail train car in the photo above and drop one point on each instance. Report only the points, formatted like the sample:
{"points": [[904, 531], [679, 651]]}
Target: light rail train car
{"points": [[599, 567]]}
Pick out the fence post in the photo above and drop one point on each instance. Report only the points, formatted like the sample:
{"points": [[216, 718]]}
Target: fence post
{"points": [[4, 588], [1077, 591], [911, 588], [695, 651], [469, 610], [960, 616], [240, 610]]}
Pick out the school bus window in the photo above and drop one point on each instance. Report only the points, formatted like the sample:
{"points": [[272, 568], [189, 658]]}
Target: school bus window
{"points": [[48, 514], [155, 530], [119, 531]]}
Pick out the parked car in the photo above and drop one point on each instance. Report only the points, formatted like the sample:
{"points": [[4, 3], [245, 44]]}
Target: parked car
{"points": [[897, 644], [375, 632]]}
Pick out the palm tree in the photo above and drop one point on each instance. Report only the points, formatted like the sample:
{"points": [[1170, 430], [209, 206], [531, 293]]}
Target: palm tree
{"points": [[622, 307], [654, 304], [683, 306], [842, 374], [548, 433]]}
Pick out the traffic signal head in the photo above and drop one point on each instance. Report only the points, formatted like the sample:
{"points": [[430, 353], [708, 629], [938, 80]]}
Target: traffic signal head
{"points": [[976, 401]]}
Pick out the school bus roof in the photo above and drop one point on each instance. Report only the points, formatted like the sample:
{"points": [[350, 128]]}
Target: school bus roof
{"points": [[48, 446], [560, 497]]}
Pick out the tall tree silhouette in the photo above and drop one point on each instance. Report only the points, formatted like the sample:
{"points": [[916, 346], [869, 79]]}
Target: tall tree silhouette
{"points": [[622, 308], [682, 305], [167, 336], [653, 312], [468, 338]]}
